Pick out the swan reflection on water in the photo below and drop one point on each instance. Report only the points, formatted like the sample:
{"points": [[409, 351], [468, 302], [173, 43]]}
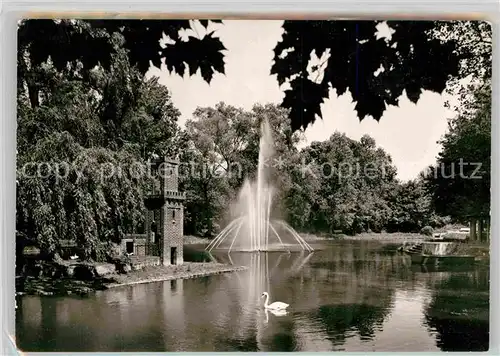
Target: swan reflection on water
{"points": [[253, 287], [278, 313]]}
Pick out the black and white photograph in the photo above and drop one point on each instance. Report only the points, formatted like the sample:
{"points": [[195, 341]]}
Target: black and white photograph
{"points": [[253, 185]]}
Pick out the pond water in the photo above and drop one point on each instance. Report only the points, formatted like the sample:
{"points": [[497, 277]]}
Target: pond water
{"points": [[349, 296]]}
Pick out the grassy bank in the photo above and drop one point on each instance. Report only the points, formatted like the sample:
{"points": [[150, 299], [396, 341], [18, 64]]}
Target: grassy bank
{"points": [[167, 273], [391, 237]]}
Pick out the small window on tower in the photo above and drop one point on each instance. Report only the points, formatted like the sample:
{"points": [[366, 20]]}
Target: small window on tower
{"points": [[173, 214]]}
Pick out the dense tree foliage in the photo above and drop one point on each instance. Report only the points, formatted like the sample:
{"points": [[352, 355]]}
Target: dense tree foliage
{"points": [[460, 181], [412, 208], [339, 184], [223, 152], [88, 43], [474, 49], [376, 71], [81, 147], [343, 184], [351, 186], [87, 115]]}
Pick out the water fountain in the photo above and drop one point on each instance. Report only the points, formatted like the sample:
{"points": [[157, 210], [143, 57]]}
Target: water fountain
{"points": [[254, 229]]}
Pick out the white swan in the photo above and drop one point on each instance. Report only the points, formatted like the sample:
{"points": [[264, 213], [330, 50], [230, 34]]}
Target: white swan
{"points": [[275, 305]]}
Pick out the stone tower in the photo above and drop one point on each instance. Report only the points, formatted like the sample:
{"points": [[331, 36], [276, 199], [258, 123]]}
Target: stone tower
{"points": [[172, 244], [170, 203]]}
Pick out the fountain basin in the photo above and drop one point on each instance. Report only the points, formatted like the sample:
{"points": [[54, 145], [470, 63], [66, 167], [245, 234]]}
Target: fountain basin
{"points": [[270, 248]]}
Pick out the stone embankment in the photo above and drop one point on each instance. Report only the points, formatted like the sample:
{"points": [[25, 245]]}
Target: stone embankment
{"points": [[167, 273], [73, 278]]}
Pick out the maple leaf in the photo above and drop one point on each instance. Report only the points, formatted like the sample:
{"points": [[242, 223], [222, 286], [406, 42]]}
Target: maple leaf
{"points": [[304, 99], [412, 61], [204, 54]]}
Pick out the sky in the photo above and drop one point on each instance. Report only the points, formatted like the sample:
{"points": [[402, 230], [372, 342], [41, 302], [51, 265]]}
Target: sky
{"points": [[409, 132]]}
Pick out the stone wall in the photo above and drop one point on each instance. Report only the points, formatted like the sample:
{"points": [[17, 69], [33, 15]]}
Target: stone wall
{"points": [[171, 176], [139, 241]]}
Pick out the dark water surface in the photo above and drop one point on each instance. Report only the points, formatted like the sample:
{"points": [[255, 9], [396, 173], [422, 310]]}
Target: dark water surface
{"points": [[350, 296]]}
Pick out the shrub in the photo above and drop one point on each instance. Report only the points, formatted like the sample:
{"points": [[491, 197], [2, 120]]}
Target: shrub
{"points": [[427, 231]]}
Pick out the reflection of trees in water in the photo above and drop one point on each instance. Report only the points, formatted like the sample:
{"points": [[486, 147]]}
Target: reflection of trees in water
{"points": [[247, 344], [362, 286], [279, 339], [353, 289], [237, 297], [266, 272], [243, 294], [359, 274], [338, 293], [363, 264], [34, 324], [283, 340], [118, 320], [459, 312], [344, 319]]}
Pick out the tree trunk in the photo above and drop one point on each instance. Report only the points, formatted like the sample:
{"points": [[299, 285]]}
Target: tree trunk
{"points": [[480, 230], [33, 92], [473, 229]]}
